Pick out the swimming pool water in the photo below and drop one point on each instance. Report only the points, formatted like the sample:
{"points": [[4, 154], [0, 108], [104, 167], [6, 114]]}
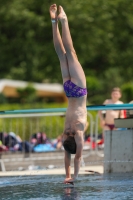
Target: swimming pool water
{"points": [[105, 187]]}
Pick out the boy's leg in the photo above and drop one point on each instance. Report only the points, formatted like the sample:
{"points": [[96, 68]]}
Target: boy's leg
{"points": [[59, 48], [75, 68]]}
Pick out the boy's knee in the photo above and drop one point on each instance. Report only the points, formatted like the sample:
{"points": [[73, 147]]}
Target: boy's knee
{"points": [[71, 55], [62, 57]]}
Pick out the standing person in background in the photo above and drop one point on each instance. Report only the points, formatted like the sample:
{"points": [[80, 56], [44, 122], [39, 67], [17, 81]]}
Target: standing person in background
{"points": [[107, 121], [74, 83]]}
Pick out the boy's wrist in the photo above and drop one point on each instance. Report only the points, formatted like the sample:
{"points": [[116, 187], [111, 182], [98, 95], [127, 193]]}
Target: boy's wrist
{"points": [[68, 176]]}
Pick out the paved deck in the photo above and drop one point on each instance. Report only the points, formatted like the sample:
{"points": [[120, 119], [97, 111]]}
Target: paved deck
{"points": [[61, 171]]}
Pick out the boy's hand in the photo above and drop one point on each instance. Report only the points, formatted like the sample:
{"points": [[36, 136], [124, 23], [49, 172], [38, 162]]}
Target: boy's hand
{"points": [[69, 181]]}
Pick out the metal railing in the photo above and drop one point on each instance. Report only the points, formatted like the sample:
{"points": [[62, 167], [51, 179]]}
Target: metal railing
{"points": [[49, 121], [25, 125]]}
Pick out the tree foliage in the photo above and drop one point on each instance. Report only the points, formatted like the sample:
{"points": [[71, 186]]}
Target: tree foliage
{"points": [[27, 94], [102, 33]]}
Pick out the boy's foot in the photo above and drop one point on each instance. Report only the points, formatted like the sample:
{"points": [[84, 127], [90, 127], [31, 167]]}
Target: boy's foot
{"points": [[53, 11], [62, 15]]}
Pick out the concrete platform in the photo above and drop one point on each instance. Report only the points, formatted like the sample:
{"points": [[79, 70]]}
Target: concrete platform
{"points": [[118, 151], [60, 171]]}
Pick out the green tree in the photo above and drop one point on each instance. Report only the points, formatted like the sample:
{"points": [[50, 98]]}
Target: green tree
{"points": [[27, 94], [102, 35], [127, 91]]}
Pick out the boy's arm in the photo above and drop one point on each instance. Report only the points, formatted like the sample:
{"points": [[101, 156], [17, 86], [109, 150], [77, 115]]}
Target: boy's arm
{"points": [[67, 165], [121, 114], [67, 160], [79, 143], [102, 120], [100, 115]]}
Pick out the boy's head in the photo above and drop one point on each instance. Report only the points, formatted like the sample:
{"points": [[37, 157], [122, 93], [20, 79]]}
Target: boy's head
{"points": [[70, 145], [116, 93]]}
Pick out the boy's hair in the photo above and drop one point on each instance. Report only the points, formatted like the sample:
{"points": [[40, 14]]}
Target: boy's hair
{"points": [[116, 89], [70, 145]]}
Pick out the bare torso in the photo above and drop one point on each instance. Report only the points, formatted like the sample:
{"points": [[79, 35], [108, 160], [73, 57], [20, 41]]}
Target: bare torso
{"points": [[76, 115], [112, 114]]}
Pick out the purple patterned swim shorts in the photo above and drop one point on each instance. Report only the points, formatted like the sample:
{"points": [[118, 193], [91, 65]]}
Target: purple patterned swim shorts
{"points": [[73, 90]]}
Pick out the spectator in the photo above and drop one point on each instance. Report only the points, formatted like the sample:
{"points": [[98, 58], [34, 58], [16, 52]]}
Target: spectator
{"points": [[57, 143], [13, 142], [2, 146], [107, 119], [39, 138]]}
